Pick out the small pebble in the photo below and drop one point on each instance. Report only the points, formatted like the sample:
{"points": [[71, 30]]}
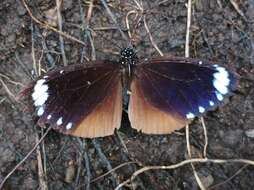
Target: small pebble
{"points": [[249, 133]]}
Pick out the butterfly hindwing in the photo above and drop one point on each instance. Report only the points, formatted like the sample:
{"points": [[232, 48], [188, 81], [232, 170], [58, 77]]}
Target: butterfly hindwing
{"points": [[149, 119], [73, 99], [180, 88], [105, 118]]}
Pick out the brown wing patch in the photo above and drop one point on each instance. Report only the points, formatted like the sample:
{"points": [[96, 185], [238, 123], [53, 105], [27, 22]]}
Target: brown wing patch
{"points": [[104, 119], [149, 119]]}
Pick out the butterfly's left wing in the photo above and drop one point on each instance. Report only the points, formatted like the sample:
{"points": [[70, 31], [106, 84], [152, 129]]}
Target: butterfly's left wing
{"points": [[80, 100], [167, 93]]}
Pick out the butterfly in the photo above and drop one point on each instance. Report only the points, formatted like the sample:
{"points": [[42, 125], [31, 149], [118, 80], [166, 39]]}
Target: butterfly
{"points": [[166, 94]]}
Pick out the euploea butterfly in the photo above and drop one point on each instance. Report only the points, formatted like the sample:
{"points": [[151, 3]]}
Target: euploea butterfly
{"points": [[85, 100]]}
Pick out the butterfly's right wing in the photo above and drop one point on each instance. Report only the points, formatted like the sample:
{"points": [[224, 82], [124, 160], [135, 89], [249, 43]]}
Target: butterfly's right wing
{"points": [[167, 93], [80, 100]]}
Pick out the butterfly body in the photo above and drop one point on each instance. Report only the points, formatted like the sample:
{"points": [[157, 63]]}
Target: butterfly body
{"points": [[165, 94]]}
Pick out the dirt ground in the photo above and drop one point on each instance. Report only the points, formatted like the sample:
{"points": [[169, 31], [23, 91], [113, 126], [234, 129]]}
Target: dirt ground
{"points": [[221, 31]]}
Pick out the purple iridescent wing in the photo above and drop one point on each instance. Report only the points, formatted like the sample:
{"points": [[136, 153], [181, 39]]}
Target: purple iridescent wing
{"points": [[167, 93], [80, 100]]}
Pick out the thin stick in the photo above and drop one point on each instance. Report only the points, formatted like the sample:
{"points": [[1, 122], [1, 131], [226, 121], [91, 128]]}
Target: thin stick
{"points": [[84, 33], [125, 149], [87, 165], [127, 22], [12, 96], [89, 12], [60, 27], [206, 137], [151, 38], [48, 27], [115, 21], [200, 184], [33, 53], [93, 55], [187, 38], [50, 59], [24, 159], [105, 161], [187, 54], [88, 32], [238, 10], [12, 81], [183, 163], [41, 171], [42, 182], [114, 169], [230, 178]]}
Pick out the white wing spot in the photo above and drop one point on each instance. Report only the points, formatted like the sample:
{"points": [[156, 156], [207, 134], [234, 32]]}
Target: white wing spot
{"points": [[219, 96], [59, 121], [190, 115], [39, 90], [221, 69], [222, 78], [221, 81], [40, 94], [41, 100], [201, 109], [220, 87], [40, 82], [69, 126], [49, 117], [40, 111]]}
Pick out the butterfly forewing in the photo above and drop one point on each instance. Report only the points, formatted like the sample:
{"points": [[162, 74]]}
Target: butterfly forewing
{"points": [[181, 88], [76, 96]]}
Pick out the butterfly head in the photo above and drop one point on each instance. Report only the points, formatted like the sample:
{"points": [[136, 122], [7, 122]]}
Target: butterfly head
{"points": [[128, 56]]}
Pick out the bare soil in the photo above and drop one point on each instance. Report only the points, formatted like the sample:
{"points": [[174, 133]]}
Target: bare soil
{"points": [[221, 31]]}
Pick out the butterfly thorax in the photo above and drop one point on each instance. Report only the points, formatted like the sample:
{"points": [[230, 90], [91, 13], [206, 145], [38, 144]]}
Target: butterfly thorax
{"points": [[128, 59]]}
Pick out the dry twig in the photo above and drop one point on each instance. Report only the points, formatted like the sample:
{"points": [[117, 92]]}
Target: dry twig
{"points": [[151, 38], [87, 164], [200, 184], [105, 161], [183, 163], [46, 26], [230, 178], [42, 181], [25, 158], [205, 135], [60, 27], [238, 10], [113, 169], [187, 54], [11, 95], [115, 21], [89, 12]]}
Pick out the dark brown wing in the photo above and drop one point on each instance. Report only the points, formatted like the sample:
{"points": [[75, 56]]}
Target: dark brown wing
{"points": [[104, 119], [80, 100], [168, 92]]}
